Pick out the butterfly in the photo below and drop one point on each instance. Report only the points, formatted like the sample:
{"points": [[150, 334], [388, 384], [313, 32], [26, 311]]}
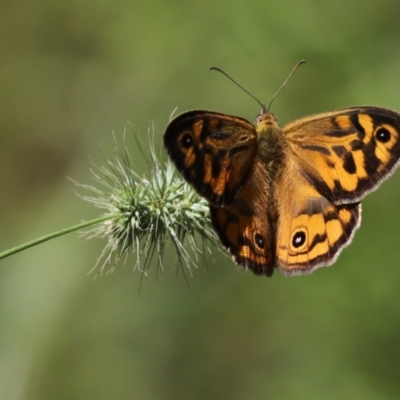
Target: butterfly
{"points": [[285, 198]]}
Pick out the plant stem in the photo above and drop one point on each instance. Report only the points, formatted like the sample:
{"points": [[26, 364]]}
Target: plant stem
{"points": [[53, 235]]}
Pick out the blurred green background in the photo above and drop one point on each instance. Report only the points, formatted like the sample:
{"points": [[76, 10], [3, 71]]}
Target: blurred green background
{"points": [[70, 74]]}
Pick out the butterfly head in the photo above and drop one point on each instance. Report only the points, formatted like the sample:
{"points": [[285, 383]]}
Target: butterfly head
{"points": [[266, 123]]}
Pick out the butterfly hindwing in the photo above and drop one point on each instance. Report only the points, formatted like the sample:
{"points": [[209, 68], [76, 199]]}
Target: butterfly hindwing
{"points": [[311, 231], [246, 227]]}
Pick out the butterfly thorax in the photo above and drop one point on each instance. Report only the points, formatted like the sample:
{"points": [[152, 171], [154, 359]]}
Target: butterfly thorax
{"points": [[271, 142]]}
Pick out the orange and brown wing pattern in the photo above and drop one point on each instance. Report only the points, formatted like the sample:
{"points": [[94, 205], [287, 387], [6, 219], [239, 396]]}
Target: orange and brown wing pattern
{"points": [[311, 230], [347, 153], [246, 228], [214, 152]]}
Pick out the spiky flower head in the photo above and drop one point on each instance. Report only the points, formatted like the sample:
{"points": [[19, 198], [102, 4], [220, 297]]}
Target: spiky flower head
{"points": [[144, 213]]}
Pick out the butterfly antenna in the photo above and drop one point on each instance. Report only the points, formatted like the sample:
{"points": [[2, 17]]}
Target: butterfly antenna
{"points": [[284, 83], [241, 87]]}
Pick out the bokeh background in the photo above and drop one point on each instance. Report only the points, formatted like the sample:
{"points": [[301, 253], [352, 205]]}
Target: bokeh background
{"points": [[73, 72]]}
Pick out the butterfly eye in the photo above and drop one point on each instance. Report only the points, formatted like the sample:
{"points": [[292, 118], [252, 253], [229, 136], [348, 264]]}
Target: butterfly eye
{"points": [[187, 140], [298, 239], [259, 240], [382, 135]]}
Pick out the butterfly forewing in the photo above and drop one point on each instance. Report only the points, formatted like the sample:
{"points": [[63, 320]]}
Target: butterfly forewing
{"points": [[347, 153], [214, 152]]}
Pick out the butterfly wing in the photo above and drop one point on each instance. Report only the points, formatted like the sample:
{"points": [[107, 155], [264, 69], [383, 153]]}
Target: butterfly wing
{"points": [[214, 152], [246, 228], [347, 153], [311, 230], [286, 224]]}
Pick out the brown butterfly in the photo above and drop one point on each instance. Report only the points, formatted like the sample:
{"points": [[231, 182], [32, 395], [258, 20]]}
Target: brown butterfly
{"points": [[285, 197]]}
